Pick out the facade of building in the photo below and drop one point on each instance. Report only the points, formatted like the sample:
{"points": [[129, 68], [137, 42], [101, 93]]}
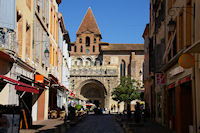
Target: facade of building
{"points": [[97, 66], [174, 98], [33, 56]]}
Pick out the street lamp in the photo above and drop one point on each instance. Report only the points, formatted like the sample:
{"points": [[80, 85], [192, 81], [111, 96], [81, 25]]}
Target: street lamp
{"points": [[171, 25], [46, 53]]}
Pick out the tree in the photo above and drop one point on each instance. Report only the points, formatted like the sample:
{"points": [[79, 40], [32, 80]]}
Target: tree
{"points": [[127, 91]]}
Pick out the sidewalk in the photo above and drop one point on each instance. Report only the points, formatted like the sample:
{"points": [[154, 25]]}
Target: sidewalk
{"points": [[49, 124]]}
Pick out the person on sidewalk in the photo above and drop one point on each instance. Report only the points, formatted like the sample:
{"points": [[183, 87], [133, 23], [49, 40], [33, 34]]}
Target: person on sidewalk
{"points": [[118, 107], [114, 108]]}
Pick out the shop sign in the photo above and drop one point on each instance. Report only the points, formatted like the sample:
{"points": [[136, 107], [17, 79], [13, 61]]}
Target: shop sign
{"points": [[186, 60], [160, 78], [176, 71], [170, 86], [39, 78], [186, 79]]}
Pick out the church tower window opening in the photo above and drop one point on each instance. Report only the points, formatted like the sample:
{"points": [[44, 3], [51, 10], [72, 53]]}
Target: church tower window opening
{"points": [[95, 40], [93, 48], [80, 40], [74, 48], [81, 49], [87, 41], [122, 69]]}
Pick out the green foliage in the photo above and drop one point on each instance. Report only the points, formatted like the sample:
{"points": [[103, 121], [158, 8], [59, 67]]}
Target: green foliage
{"points": [[78, 107], [127, 90]]}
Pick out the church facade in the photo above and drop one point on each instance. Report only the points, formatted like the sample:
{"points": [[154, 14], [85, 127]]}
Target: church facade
{"points": [[97, 66]]}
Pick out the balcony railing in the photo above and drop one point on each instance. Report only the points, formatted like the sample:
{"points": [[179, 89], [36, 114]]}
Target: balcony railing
{"points": [[7, 41]]}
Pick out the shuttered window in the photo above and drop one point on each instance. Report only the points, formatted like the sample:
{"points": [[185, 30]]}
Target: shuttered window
{"points": [[51, 21], [47, 14], [43, 8], [181, 31], [28, 42], [28, 3], [19, 34], [44, 47], [37, 43], [51, 53]]}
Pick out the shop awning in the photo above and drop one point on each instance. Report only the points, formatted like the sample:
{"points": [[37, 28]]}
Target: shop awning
{"points": [[20, 85]]}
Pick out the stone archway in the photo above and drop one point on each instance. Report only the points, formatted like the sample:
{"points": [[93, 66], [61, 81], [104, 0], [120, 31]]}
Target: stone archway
{"points": [[94, 91]]}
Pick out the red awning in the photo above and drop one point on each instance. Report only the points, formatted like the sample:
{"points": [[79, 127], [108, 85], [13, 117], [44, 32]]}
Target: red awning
{"points": [[21, 86]]}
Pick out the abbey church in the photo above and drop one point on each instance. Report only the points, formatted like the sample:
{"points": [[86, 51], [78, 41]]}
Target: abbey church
{"points": [[97, 66]]}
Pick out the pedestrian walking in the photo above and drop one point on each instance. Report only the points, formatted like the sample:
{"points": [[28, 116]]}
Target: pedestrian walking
{"points": [[114, 108], [118, 107]]}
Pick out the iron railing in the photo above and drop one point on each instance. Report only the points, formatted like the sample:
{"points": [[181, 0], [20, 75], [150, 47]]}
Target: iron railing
{"points": [[8, 41]]}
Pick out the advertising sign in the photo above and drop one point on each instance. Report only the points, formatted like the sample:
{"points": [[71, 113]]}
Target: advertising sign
{"points": [[186, 60], [160, 78], [39, 78]]}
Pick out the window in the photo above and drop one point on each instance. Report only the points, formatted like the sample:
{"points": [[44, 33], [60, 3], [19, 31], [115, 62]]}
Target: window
{"points": [[181, 31], [188, 23], [19, 34], [87, 41], [122, 69], [87, 51], [28, 3], [81, 48], [88, 62], [28, 41], [80, 61], [74, 48], [75, 63], [95, 40], [174, 46], [93, 48], [38, 6], [80, 40]]}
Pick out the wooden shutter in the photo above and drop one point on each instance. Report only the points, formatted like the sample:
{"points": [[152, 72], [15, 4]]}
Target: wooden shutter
{"points": [[28, 42], [20, 31]]}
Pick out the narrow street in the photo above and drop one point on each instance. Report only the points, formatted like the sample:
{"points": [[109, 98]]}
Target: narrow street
{"points": [[97, 124]]}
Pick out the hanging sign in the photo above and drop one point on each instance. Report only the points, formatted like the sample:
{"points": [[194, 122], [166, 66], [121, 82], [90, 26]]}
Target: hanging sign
{"points": [[39, 78], [186, 60], [160, 78]]}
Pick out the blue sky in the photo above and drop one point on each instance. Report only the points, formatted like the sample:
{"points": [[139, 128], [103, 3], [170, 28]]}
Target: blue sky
{"points": [[119, 21]]}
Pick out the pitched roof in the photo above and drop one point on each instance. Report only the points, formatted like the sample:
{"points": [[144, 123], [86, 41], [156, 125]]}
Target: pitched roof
{"points": [[125, 47], [89, 24]]}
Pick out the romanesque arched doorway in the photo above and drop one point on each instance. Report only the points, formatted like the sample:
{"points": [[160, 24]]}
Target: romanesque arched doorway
{"points": [[94, 91]]}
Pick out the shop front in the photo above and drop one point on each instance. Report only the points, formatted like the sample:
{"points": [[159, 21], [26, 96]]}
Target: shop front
{"points": [[24, 91], [180, 99]]}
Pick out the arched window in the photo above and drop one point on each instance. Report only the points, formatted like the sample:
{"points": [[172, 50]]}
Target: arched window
{"points": [[122, 69], [93, 48], [81, 48], [80, 61], [80, 40], [74, 48], [75, 63], [88, 62], [87, 41], [95, 40]]}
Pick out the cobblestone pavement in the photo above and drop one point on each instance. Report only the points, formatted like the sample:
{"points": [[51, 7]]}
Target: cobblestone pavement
{"points": [[97, 124]]}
